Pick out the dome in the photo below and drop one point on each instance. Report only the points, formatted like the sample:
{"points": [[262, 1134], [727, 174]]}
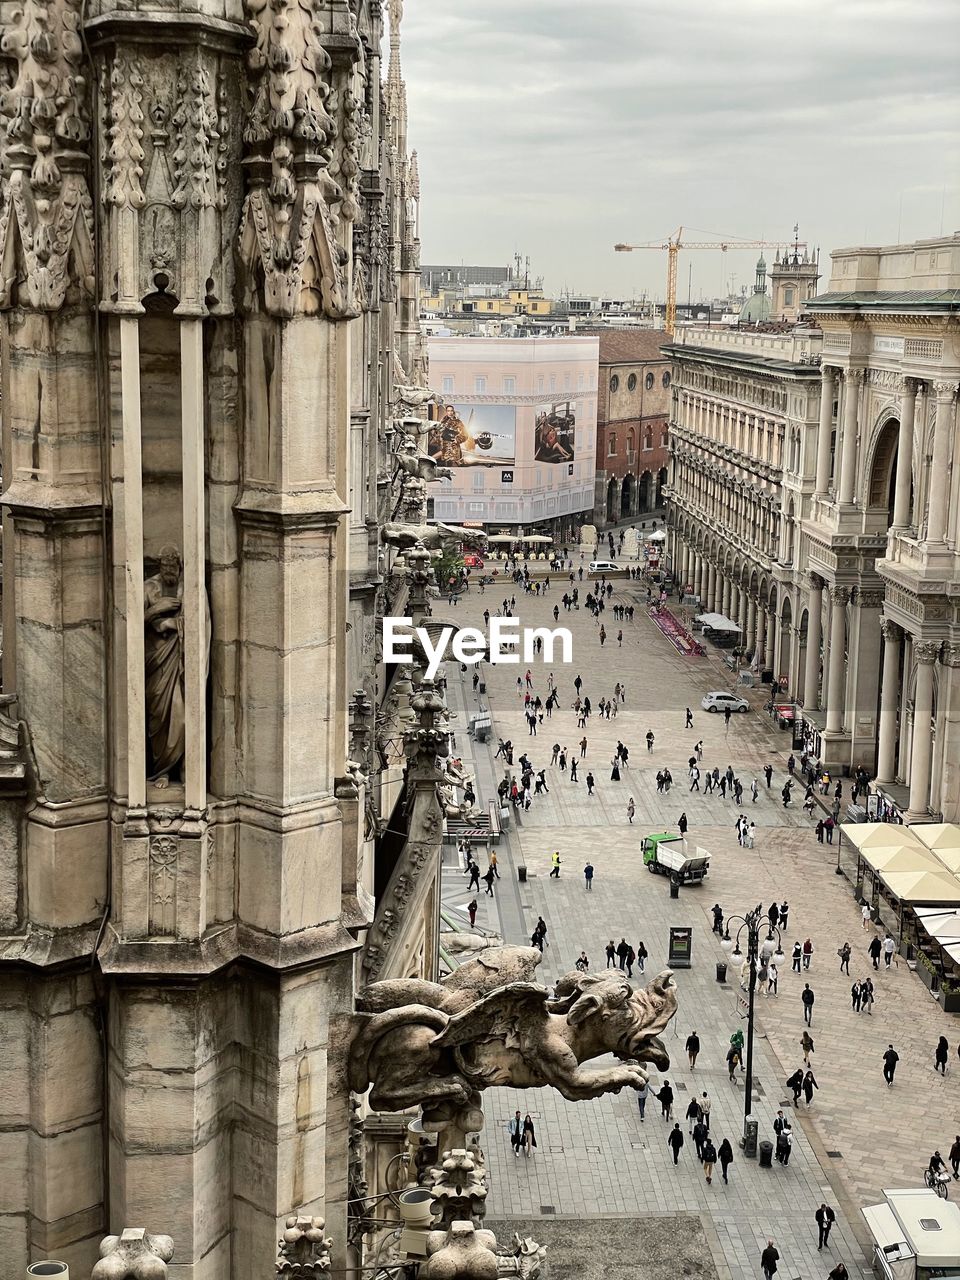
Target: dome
{"points": [[755, 309]]}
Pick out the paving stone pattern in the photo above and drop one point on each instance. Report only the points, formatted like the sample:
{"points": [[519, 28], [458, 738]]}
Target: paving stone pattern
{"points": [[596, 1158]]}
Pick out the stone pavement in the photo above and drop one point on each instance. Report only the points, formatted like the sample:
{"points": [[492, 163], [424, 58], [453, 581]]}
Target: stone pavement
{"points": [[596, 1158]]}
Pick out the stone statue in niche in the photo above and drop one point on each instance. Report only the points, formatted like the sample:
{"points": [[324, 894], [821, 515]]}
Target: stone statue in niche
{"points": [[163, 655]]}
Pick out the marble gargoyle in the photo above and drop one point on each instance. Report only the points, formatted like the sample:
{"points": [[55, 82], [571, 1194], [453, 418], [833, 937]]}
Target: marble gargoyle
{"points": [[440, 1044], [433, 536]]}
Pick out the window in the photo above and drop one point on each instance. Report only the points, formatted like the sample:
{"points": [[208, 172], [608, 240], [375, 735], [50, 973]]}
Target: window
{"points": [[788, 297], [614, 383], [631, 443], [540, 382], [648, 438], [446, 385], [579, 381], [566, 382], [509, 386], [632, 382], [666, 378], [553, 382], [612, 443], [479, 385], [664, 439], [474, 506], [478, 481], [648, 382]]}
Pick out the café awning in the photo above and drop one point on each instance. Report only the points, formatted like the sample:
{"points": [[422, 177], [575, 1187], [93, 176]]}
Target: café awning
{"points": [[943, 927], [716, 622]]}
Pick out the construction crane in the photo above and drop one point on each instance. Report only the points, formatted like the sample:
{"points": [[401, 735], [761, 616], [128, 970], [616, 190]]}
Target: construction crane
{"points": [[673, 246]]}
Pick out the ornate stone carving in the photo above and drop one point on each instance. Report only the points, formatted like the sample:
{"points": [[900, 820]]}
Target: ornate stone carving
{"points": [[46, 222], [121, 99], [459, 1186], [486, 1032], [945, 390], [951, 655], [304, 1249], [164, 851], [890, 631], [840, 596], [288, 224], [133, 1255], [462, 1253], [198, 145], [870, 599], [431, 536], [926, 652]]}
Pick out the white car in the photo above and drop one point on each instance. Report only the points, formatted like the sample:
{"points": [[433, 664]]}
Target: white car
{"points": [[722, 701], [603, 566]]}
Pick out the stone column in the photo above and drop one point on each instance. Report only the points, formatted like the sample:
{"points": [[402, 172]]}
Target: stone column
{"points": [[939, 472], [836, 670], [889, 702], [811, 674], [761, 637], [852, 380], [698, 575], [750, 639], [771, 641], [725, 602], [921, 751], [902, 492]]}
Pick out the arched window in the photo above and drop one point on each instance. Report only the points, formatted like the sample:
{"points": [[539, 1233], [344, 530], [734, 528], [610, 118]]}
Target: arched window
{"points": [[648, 438], [631, 443], [612, 444], [648, 381], [632, 382]]}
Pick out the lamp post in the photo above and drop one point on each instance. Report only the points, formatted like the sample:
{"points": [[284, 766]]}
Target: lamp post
{"points": [[751, 923]]}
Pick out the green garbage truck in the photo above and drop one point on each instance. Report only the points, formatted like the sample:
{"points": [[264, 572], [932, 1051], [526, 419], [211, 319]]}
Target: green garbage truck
{"points": [[667, 854]]}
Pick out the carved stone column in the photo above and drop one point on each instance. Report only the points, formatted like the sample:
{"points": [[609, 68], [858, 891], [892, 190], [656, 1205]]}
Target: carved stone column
{"points": [[940, 473], [904, 481], [836, 671], [811, 674], [921, 753], [770, 643], [852, 382], [890, 702]]}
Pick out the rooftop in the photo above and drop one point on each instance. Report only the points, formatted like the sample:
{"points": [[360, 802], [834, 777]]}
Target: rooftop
{"points": [[624, 346]]}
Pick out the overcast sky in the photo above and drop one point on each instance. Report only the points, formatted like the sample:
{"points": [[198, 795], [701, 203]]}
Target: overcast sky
{"points": [[559, 127]]}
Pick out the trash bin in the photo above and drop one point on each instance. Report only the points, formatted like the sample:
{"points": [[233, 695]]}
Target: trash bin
{"points": [[766, 1154], [721, 971], [674, 889], [749, 1140], [522, 873]]}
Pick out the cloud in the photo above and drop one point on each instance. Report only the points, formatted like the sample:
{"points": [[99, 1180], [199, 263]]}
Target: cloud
{"points": [[558, 127]]}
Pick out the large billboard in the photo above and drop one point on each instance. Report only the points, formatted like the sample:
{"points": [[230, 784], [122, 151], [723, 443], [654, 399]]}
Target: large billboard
{"points": [[555, 432], [474, 435]]}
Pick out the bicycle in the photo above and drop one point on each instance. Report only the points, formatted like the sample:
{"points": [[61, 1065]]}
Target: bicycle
{"points": [[936, 1182]]}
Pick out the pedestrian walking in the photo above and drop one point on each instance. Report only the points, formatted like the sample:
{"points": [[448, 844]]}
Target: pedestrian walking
{"points": [[784, 1146], [825, 1218], [622, 950], [641, 955], [733, 1062], [515, 1128], [864, 915], [754, 792], [588, 877], [699, 1133], [682, 824], [573, 771], [529, 1135], [866, 995], [555, 865], [611, 951], [772, 976], [809, 1084], [874, 949], [839, 1272], [487, 878], [630, 957], [725, 1156], [954, 1156], [642, 1094], [784, 912], [940, 1056], [705, 1105], [473, 870], [650, 739], [717, 918], [890, 1060], [675, 1142], [796, 957], [472, 911], [708, 1154], [665, 1097], [768, 773], [768, 1261], [795, 1085], [692, 1114], [807, 953], [856, 993], [844, 954], [889, 946], [807, 997], [806, 1044], [689, 724], [591, 782], [698, 750], [693, 1048], [631, 810]]}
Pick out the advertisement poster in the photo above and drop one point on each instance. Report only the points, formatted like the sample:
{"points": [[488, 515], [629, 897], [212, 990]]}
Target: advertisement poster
{"points": [[555, 432], [475, 435]]}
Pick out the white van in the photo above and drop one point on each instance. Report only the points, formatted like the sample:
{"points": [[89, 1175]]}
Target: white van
{"points": [[603, 566], [916, 1235]]}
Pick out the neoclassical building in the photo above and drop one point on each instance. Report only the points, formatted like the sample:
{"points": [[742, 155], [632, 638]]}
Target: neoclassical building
{"points": [[827, 510]]}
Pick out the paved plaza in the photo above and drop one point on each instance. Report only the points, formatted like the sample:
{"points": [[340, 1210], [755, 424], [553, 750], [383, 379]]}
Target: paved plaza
{"points": [[597, 1158]]}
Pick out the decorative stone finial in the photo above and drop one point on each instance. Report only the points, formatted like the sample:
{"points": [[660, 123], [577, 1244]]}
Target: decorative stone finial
{"points": [[304, 1249], [133, 1255]]}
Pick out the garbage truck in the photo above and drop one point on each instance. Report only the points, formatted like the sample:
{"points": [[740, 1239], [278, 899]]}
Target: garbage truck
{"points": [[667, 854], [916, 1235]]}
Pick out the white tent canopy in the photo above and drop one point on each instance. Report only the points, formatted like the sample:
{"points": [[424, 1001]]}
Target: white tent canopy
{"points": [[944, 927], [657, 536], [716, 622]]}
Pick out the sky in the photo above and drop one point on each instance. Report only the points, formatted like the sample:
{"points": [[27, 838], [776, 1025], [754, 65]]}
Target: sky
{"points": [[557, 128]]}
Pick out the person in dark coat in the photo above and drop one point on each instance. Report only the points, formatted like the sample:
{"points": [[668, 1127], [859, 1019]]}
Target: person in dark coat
{"points": [[825, 1218], [875, 948], [665, 1098], [675, 1141], [768, 1260], [682, 824], [692, 1113], [708, 1155], [693, 1048], [890, 1060], [725, 1156], [700, 1136], [529, 1135], [940, 1056], [795, 1084], [809, 1084]]}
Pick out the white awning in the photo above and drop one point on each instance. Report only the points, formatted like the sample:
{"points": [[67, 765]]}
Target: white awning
{"points": [[717, 622]]}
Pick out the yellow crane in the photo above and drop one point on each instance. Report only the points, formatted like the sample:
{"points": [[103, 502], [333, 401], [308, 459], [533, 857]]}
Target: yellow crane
{"points": [[675, 243]]}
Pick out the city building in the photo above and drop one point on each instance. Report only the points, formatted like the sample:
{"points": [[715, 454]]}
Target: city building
{"points": [[814, 499], [518, 428], [633, 408]]}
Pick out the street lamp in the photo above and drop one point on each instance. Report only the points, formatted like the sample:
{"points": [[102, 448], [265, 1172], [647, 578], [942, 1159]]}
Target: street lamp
{"points": [[752, 922]]}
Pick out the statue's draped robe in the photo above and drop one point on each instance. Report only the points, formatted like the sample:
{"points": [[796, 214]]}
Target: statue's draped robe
{"points": [[163, 652]]}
